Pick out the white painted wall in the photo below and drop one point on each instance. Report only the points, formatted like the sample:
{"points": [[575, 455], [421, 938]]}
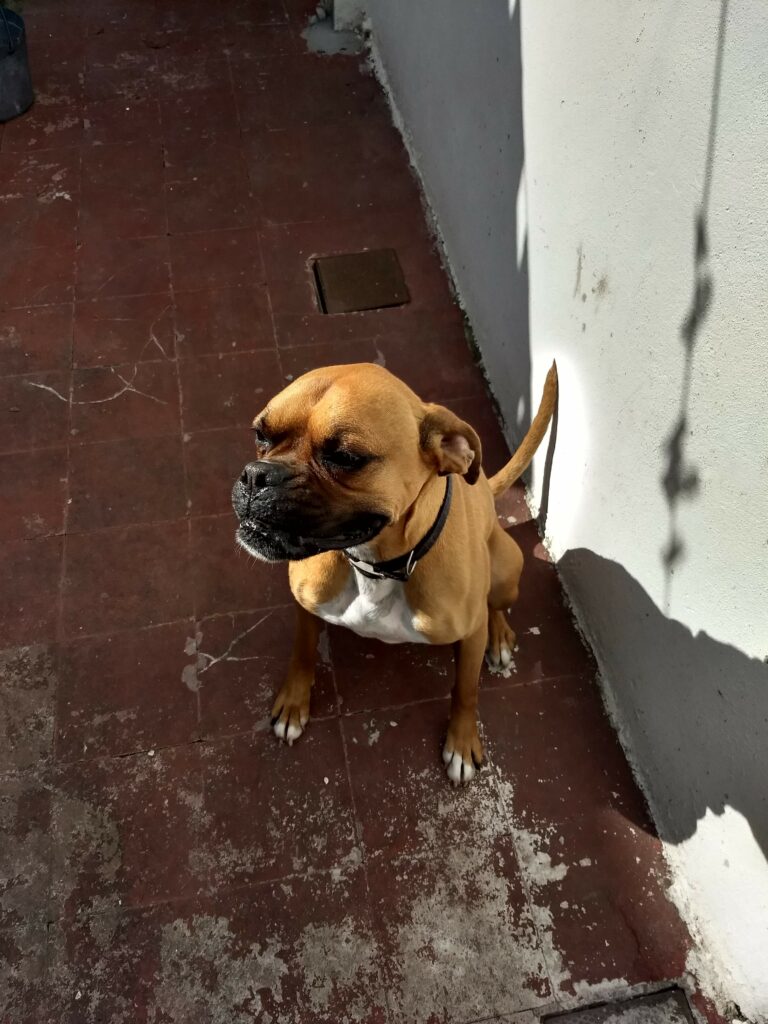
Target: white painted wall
{"points": [[619, 133]]}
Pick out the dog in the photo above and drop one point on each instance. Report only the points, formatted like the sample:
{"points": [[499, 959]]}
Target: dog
{"points": [[379, 504]]}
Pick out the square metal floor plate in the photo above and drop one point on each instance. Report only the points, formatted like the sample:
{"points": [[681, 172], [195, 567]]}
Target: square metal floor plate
{"points": [[357, 281], [667, 1007]]}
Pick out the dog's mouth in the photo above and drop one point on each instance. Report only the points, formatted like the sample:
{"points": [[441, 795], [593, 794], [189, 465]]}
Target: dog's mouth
{"points": [[272, 544]]}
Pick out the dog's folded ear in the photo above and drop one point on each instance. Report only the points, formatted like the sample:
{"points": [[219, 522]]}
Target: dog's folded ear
{"points": [[449, 443]]}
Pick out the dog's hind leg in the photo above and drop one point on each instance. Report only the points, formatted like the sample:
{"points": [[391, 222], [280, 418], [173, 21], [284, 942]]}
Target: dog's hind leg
{"points": [[506, 567], [290, 712]]}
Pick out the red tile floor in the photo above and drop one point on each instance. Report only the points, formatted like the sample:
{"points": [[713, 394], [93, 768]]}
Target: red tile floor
{"points": [[163, 858]]}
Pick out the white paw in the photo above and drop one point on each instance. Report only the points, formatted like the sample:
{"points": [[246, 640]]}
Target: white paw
{"points": [[458, 769], [288, 731], [501, 663]]}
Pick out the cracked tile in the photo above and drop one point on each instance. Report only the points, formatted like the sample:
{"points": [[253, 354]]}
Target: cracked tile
{"points": [[130, 401], [238, 665], [123, 330]]}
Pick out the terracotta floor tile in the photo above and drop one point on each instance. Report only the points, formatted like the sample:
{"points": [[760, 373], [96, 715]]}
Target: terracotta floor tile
{"points": [[57, 126], [265, 40], [226, 578], [299, 11], [121, 120], [210, 205], [226, 320], [371, 674], [176, 73], [241, 663], [118, 212], [131, 84], [460, 939], [125, 329], [304, 89], [511, 507], [301, 359], [35, 339], [136, 266], [29, 609], [130, 577], [140, 480], [28, 685], [555, 744], [202, 115], [431, 354], [122, 829], [268, 811], [33, 411], [124, 693], [215, 459], [56, 48], [195, 159], [60, 83], [114, 403], [300, 950], [227, 390], [602, 900], [258, 12], [30, 222], [215, 259], [32, 494], [44, 277], [403, 798], [123, 165], [289, 172], [116, 45], [39, 175]]}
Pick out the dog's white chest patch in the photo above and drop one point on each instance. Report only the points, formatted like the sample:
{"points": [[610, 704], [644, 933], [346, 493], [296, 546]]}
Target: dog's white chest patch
{"points": [[373, 608]]}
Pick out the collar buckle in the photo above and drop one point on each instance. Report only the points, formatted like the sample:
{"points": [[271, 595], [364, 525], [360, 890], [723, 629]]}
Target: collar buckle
{"points": [[401, 568]]}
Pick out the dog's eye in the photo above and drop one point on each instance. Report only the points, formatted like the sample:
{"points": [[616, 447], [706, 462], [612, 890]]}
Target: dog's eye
{"points": [[262, 441], [349, 462]]}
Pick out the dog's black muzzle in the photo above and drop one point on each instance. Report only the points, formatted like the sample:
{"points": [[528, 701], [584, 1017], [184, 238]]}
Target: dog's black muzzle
{"points": [[281, 519]]}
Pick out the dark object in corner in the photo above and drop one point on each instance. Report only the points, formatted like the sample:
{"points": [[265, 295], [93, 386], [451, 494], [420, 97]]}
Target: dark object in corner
{"points": [[16, 93]]}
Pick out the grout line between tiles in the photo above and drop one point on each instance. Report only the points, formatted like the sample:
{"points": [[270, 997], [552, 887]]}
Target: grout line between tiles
{"points": [[180, 394]]}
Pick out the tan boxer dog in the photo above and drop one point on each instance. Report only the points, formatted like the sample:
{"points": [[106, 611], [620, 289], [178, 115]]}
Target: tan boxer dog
{"points": [[379, 503]]}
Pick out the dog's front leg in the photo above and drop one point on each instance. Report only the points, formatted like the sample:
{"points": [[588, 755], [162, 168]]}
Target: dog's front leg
{"points": [[290, 712], [463, 751]]}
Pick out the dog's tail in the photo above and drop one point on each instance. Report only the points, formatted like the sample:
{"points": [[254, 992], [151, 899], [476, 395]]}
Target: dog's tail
{"points": [[522, 458]]}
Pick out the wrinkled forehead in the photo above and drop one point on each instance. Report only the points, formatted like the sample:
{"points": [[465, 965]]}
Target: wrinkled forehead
{"points": [[346, 403]]}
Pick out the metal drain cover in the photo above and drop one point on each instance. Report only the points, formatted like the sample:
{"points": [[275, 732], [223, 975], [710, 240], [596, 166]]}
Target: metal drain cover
{"points": [[357, 281], [667, 1007]]}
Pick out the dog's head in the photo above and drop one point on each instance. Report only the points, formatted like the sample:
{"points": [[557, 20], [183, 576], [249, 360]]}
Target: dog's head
{"points": [[341, 453]]}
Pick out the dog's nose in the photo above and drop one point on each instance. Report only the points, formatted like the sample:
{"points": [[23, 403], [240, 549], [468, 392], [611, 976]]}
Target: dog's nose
{"points": [[257, 475]]}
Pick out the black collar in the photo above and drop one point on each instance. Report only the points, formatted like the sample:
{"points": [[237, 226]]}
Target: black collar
{"points": [[402, 567]]}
